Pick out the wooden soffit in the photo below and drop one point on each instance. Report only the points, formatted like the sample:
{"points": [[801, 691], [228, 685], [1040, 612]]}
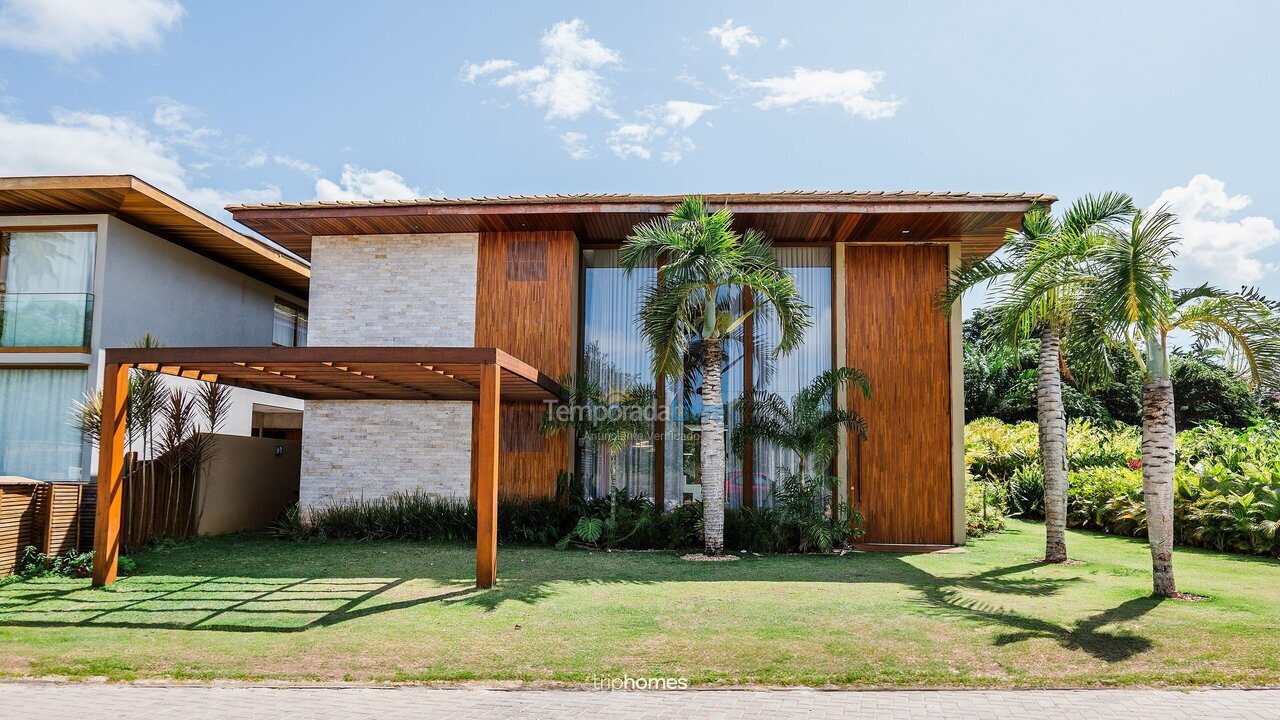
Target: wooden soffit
{"points": [[347, 373], [159, 213], [977, 221]]}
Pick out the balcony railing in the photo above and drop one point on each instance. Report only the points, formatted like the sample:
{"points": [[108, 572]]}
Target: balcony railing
{"points": [[45, 320]]}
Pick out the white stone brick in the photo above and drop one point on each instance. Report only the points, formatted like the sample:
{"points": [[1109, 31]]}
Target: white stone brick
{"points": [[388, 290]]}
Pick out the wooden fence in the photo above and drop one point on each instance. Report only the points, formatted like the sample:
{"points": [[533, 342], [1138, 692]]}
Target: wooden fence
{"points": [[157, 503], [52, 517]]}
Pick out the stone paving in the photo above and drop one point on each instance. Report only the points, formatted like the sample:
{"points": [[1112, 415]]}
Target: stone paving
{"points": [[86, 701]]}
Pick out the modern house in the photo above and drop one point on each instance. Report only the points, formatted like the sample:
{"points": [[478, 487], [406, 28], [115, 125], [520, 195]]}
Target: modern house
{"points": [[438, 328], [93, 262]]}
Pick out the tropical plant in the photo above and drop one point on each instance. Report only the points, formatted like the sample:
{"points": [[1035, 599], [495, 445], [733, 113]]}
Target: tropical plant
{"points": [[808, 425], [1036, 288], [1130, 304], [701, 259]]}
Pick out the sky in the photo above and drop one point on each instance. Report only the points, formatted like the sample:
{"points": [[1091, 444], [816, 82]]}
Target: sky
{"points": [[226, 101]]}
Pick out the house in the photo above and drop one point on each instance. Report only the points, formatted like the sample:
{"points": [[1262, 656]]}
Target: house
{"points": [[539, 278], [93, 262], [438, 328]]}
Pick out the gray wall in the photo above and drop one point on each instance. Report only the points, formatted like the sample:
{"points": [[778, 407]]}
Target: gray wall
{"points": [[387, 290]]}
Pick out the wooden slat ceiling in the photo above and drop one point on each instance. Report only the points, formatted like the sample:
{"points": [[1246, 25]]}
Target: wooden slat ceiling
{"points": [[347, 373], [977, 221], [159, 213]]}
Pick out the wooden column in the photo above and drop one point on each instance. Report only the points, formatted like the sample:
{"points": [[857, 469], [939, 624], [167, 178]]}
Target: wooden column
{"points": [[487, 475], [106, 529]]}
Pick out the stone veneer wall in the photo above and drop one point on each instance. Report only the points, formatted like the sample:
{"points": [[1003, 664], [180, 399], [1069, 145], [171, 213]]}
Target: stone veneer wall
{"points": [[389, 290]]}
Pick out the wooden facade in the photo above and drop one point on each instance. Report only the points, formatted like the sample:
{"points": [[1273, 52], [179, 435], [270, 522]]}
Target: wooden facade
{"points": [[900, 476], [525, 305]]}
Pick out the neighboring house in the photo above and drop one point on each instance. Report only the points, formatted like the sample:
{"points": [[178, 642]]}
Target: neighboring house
{"points": [[539, 277], [93, 262]]}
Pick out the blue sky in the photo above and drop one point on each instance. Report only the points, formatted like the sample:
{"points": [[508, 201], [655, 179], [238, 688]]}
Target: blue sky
{"points": [[247, 101]]}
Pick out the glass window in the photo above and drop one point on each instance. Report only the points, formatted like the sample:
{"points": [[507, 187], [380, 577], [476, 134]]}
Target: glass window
{"points": [[46, 281], [290, 326], [786, 375], [616, 356], [38, 439]]}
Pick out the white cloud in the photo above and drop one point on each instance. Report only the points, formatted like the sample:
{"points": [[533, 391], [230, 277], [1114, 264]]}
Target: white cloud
{"points": [[294, 163], [685, 113], [358, 183], [853, 90], [69, 29], [182, 122], [632, 140], [83, 143], [472, 71], [567, 82], [784, 43], [676, 150], [733, 39], [575, 143], [1220, 248]]}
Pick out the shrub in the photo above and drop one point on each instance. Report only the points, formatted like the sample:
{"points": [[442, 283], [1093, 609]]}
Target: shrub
{"points": [[984, 507], [1228, 480]]}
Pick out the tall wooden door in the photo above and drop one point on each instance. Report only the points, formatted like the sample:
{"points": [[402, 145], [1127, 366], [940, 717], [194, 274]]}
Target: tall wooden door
{"points": [[900, 476]]}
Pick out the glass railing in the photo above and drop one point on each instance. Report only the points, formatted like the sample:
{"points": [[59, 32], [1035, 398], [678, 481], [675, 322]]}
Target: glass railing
{"points": [[40, 320]]}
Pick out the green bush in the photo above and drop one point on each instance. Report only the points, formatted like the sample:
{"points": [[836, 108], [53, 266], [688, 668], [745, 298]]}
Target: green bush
{"points": [[984, 507], [1228, 480]]}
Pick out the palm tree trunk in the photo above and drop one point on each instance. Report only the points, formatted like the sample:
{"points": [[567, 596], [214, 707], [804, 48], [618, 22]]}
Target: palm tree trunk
{"points": [[1158, 454], [713, 459], [1053, 445]]}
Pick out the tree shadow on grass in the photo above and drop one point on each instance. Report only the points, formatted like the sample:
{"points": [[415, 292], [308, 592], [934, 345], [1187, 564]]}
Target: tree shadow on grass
{"points": [[241, 590]]}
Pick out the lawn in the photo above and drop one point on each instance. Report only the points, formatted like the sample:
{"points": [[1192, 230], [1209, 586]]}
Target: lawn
{"points": [[250, 607]]}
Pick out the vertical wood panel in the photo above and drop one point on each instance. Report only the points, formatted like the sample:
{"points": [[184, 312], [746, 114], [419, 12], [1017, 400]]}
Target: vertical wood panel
{"points": [[901, 475], [487, 470], [106, 527], [525, 306]]}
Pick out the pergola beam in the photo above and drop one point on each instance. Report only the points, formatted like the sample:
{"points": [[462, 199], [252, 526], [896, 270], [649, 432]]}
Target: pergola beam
{"points": [[106, 528]]}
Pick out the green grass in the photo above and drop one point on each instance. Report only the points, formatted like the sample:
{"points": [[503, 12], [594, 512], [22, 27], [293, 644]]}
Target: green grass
{"points": [[248, 607]]}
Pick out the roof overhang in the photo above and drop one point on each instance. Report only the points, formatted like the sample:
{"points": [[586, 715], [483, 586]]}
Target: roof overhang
{"points": [[159, 213], [977, 221], [347, 373]]}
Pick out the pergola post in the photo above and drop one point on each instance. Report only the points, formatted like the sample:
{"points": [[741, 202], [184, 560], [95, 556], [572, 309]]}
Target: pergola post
{"points": [[487, 475], [106, 528]]}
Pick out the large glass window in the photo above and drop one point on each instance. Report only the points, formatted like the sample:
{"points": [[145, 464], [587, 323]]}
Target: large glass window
{"points": [[37, 437], [787, 374], [615, 356], [46, 281]]}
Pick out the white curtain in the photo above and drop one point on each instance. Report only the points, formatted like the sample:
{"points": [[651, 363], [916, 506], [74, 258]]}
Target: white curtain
{"points": [[616, 356], [811, 268], [37, 437]]}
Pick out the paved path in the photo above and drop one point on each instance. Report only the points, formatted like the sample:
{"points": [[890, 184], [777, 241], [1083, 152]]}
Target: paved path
{"points": [[86, 701]]}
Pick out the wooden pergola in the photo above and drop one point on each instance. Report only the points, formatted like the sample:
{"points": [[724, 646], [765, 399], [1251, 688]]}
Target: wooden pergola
{"points": [[486, 376]]}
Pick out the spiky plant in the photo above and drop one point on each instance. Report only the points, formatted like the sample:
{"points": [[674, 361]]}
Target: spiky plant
{"points": [[808, 424], [1035, 287], [700, 259]]}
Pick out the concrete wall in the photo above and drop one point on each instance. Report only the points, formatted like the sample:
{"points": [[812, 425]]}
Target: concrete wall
{"points": [[246, 484], [389, 290]]}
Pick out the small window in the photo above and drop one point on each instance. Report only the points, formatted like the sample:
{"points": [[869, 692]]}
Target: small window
{"points": [[290, 329]]}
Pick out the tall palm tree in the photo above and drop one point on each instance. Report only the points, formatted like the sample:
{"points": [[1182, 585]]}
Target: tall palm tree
{"points": [[1035, 289], [700, 257], [1130, 304]]}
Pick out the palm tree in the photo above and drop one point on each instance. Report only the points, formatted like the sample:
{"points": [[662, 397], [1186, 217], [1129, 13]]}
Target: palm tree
{"points": [[700, 257], [809, 424], [1130, 304], [1035, 288]]}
